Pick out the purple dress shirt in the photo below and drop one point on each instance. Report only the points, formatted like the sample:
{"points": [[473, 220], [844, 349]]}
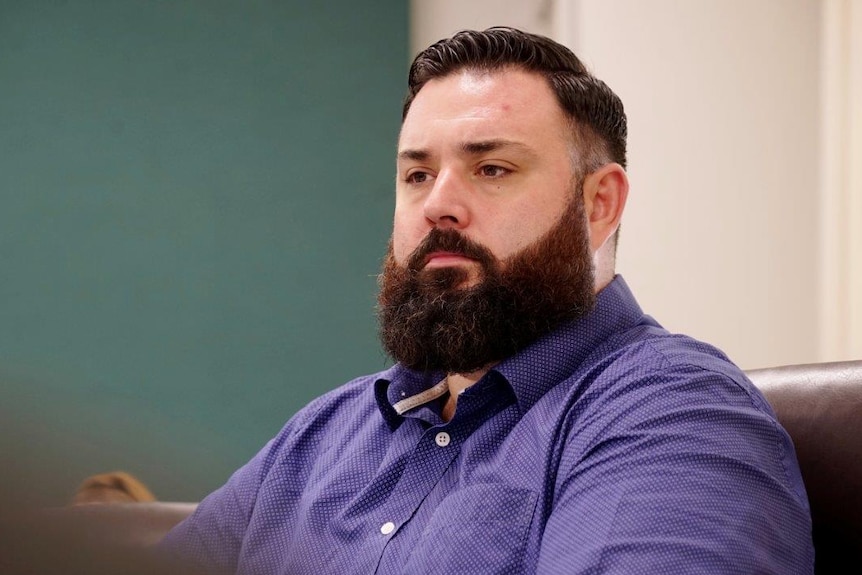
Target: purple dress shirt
{"points": [[608, 446]]}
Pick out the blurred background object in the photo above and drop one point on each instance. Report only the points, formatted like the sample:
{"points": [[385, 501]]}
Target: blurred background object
{"points": [[112, 487]]}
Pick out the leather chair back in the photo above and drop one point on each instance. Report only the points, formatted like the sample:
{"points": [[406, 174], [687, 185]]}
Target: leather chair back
{"points": [[820, 406]]}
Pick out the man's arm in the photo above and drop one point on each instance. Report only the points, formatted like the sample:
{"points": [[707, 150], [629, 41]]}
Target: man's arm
{"points": [[688, 473], [211, 538]]}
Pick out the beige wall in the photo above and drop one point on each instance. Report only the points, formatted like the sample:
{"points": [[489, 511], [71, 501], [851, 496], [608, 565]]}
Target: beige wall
{"points": [[731, 230]]}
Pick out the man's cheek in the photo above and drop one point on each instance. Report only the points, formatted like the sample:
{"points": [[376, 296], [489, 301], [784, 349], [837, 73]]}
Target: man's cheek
{"points": [[398, 247], [404, 245]]}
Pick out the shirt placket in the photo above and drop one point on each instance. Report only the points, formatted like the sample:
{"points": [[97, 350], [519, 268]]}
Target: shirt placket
{"points": [[436, 450]]}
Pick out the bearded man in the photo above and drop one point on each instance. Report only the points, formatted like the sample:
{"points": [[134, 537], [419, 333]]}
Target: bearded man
{"points": [[536, 420]]}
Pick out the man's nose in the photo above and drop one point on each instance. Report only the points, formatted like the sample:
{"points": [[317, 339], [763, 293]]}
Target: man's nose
{"points": [[447, 205]]}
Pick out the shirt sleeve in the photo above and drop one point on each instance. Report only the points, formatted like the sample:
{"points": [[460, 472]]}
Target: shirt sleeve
{"points": [[210, 540], [683, 471]]}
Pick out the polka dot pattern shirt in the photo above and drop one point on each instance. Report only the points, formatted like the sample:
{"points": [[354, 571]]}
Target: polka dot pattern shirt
{"points": [[609, 446]]}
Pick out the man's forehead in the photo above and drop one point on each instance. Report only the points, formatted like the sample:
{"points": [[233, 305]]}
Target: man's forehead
{"points": [[482, 84], [482, 106], [473, 81]]}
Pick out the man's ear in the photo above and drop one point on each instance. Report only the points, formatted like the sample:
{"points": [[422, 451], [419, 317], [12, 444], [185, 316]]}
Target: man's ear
{"points": [[605, 193]]}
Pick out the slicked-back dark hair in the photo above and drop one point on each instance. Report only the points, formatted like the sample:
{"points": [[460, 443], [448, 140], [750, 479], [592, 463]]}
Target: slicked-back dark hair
{"points": [[596, 113]]}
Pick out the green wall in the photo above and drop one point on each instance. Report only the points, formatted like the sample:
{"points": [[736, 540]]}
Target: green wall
{"points": [[196, 196]]}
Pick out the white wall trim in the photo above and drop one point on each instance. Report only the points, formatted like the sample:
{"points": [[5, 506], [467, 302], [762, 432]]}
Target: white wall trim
{"points": [[840, 220]]}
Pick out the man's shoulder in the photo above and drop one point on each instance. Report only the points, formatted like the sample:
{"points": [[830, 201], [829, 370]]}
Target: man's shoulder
{"points": [[669, 386], [348, 410], [652, 350], [656, 362], [352, 395]]}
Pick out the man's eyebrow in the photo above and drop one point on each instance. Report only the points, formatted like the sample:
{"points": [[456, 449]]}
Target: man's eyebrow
{"points": [[470, 148], [485, 146], [415, 155]]}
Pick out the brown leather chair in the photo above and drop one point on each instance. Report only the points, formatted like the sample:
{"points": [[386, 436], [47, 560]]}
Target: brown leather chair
{"points": [[820, 406]]}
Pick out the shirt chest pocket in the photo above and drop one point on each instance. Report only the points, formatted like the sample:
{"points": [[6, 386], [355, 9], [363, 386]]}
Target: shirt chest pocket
{"points": [[478, 530]]}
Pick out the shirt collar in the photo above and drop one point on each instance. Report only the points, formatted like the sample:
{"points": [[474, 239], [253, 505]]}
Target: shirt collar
{"points": [[537, 368], [399, 383], [557, 356]]}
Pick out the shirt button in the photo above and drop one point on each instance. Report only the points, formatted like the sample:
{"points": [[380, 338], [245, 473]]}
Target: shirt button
{"points": [[442, 439], [387, 528]]}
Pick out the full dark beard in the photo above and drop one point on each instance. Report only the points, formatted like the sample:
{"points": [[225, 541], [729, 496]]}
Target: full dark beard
{"points": [[428, 323]]}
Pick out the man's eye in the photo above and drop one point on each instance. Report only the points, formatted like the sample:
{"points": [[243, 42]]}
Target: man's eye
{"points": [[417, 178], [491, 171]]}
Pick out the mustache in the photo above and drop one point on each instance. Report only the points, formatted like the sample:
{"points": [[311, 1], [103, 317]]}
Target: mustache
{"points": [[448, 240]]}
